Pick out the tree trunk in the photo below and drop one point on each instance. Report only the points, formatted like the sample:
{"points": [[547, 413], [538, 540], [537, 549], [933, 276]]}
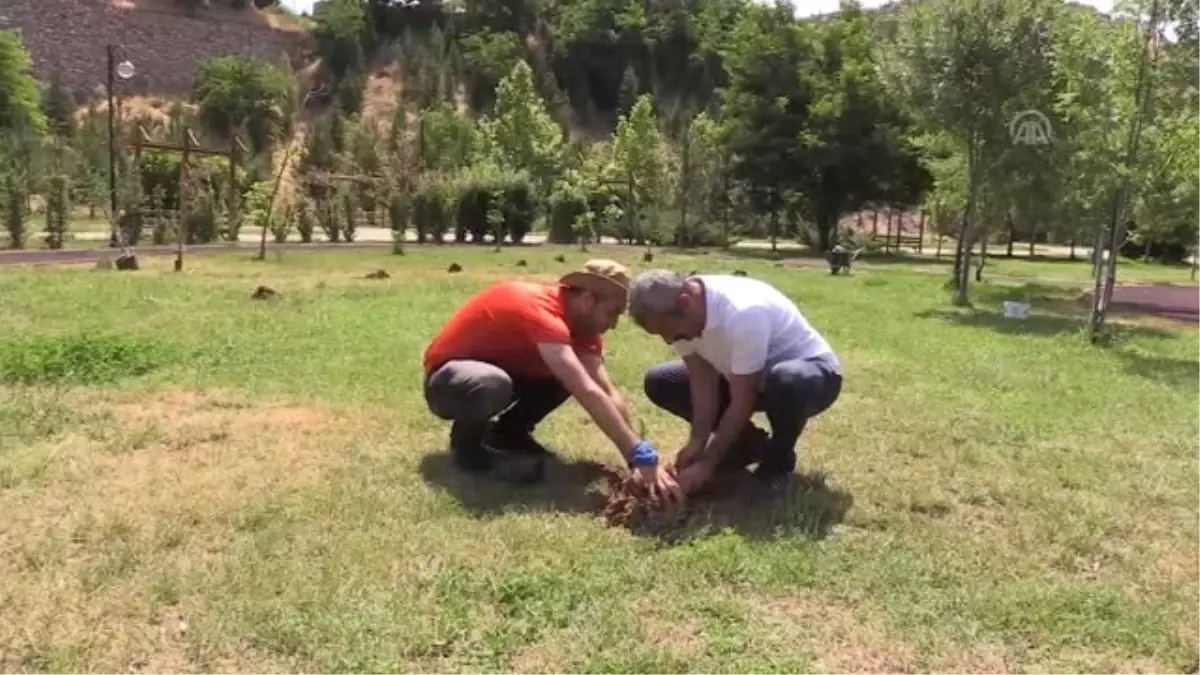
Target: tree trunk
{"points": [[1012, 235], [775, 230], [983, 243], [962, 297], [823, 232], [1104, 285]]}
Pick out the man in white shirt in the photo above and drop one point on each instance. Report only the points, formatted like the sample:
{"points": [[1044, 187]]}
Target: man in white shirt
{"points": [[745, 347]]}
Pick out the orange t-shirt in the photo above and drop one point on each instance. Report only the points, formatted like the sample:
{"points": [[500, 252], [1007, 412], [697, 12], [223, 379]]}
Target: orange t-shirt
{"points": [[503, 324]]}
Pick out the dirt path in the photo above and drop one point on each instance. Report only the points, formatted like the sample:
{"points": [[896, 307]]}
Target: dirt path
{"points": [[1169, 301], [92, 255]]}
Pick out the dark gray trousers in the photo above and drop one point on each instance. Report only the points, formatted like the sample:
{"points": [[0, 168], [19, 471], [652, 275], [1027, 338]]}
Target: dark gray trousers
{"points": [[793, 392], [471, 393]]}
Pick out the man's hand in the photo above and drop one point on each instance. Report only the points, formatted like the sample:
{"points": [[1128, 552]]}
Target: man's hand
{"points": [[693, 478], [660, 483], [690, 453]]}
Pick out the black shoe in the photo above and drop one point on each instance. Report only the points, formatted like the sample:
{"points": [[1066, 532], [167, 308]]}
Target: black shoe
{"points": [[748, 449], [524, 459], [772, 476], [520, 443], [467, 450]]}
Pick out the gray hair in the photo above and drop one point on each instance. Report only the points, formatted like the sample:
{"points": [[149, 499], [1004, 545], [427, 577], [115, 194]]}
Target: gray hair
{"points": [[655, 292]]}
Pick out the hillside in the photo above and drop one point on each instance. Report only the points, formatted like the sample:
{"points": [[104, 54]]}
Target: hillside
{"points": [[68, 39]]}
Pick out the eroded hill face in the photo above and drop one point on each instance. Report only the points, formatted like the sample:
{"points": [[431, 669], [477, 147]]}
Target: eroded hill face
{"points": [[69, 37]]}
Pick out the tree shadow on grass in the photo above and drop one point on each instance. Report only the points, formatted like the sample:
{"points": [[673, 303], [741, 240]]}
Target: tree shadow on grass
{"points": [[1059, 297], [1039, 324], [808, 506], [1174, 372]]}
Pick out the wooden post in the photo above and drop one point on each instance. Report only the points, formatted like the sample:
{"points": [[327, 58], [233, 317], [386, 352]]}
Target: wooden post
{"points": [[1032, 240], [725, 207], [181, 213], [1012, 235], [682, 238], [899, 229], [887, 236], [231, 203], [921, 234], [875, 224]]}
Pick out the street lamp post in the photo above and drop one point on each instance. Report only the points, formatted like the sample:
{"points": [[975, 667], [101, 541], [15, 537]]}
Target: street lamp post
{"points": [[123, 70]]}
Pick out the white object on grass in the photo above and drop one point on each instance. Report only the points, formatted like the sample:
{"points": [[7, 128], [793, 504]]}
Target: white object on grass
{"points": [[1016, 310]]}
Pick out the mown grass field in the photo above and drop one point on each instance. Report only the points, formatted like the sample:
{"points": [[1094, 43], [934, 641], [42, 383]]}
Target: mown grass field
{"points": [[195, 481]]}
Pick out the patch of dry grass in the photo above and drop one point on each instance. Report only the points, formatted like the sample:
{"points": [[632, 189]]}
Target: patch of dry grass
{"points": [[95, 550]]}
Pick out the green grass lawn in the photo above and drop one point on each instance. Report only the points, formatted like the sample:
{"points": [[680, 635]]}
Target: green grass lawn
{"points": [[213, 483]]}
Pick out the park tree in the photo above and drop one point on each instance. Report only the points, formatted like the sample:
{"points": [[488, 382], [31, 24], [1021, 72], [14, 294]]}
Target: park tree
{"points": [[58, 107], [447, 139], [766, 106], [965, 68], [344, 35], [854, 141], [641, 159], [520, 134], [237, 92], [489, 56], [702, 163], [1146, 58], [20, 108]]}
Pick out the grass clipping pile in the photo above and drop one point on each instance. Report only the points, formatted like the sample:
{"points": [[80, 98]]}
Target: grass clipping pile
{"points": [[629, 504]]}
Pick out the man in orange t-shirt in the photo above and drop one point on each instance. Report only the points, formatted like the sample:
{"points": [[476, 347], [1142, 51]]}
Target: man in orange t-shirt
{"points": [[516, 351]]}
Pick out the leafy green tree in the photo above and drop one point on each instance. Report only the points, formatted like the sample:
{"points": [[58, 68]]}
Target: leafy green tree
{"points": [[236, 92], [642, 159], [701, 172], [966, 68], [58, 107], [344, 34], [489, 56], [766, 106], [854, 140], [446, 139], [20, 110], [520, 134]]}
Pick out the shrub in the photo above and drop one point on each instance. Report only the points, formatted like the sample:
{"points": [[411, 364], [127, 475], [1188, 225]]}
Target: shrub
{"points": [[58, 210], [432, 208], [14, 209], [475, 191], [567, 205], [202, 218], [306, 222], [159, 172], [349, 212], [329, 218]]}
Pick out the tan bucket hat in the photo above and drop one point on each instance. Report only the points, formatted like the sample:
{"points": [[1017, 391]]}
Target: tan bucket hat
{"points": [[602, 277]]}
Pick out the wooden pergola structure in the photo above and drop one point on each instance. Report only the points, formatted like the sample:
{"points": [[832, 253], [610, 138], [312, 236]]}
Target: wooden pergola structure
{"points": [[190, 146]]}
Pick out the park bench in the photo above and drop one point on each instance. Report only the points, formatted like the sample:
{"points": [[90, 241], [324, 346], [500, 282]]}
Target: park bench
{"points": [[897, 240]]}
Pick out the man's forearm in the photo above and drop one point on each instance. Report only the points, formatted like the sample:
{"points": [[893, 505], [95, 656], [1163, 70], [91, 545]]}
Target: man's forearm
{"points": [[609, 418], [706, 394], [619, 402], [732, 423]]}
